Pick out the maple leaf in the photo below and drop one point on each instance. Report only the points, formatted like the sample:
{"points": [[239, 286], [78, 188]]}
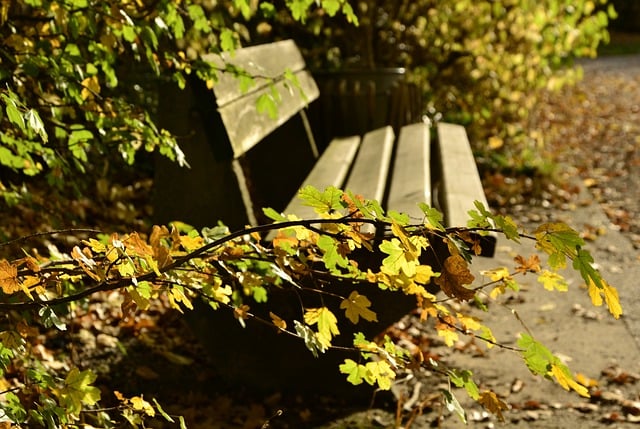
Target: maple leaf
{"points": [[355, 372], [380, 372], [8, 277], [490, 401], [463, 379], [558, 240], [77, 391], [326, 321], [455, 273], [530, 265], [357, 306]]}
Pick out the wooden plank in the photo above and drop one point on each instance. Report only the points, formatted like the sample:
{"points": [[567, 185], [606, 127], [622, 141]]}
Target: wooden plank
{"points": [[330, 170], [267, 61], [371, 167], [246, 127], [411, 176], [461, 180]]}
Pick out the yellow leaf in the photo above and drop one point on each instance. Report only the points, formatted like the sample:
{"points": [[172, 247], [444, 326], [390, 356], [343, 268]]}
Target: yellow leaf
{"points": [[610, 297], [176, 296], [497, 275], [471, 323], [327, 323], [449, 337], [553, 281], [90, 88], [566, 380], [140, 404], [8, 277], [357, 306]]}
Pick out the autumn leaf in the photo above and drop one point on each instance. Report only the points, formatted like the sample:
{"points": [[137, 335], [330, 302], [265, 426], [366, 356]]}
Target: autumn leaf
{"points": [[90, 88], [139, 404], [455, 273], [380, 372], [326, 321], [490, 401], [610, 297], [8, 277], [558, 240], [553, 281], [279, 322], [530, 265], [357, 306], [566, 380]]}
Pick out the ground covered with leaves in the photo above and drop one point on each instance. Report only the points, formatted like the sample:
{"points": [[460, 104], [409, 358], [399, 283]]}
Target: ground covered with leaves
{"points": [[594, 136]]}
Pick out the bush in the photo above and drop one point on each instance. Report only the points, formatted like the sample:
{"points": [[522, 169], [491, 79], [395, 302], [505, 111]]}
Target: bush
{"points": [[480, 63]]}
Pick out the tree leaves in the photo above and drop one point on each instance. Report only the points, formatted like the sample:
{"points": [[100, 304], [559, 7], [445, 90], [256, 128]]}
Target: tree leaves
{"points": [[327, 324], [541, 361]]}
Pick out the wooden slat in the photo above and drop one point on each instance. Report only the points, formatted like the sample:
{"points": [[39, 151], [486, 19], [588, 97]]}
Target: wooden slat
{"points": [[461, 181], [330, 170], [461, 185], [246, 127], [267, 61], [411, 177], [371, 167]]}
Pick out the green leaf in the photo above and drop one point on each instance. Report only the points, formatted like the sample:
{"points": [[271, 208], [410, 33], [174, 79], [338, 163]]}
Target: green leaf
{"points": [[331, 255], [323, 202], [228, 40], [50, 318], [453, 405], [273, 215], [433, 216], [583, 263], [537, 357], [266, 104], [77, 391], [463, 379], [356, 372]]}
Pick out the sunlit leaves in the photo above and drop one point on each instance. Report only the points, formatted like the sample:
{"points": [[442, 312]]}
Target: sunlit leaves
{"points": [[357, 306], [559, 241], [542, 361], [379, 372], [323, 202], [327, 324]]}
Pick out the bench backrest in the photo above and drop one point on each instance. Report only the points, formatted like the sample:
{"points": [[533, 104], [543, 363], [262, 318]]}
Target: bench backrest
{"points": [[267, 65], [231, 176]]}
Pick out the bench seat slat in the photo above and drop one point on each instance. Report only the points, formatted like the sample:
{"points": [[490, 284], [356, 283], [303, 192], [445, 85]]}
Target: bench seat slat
{"points": [[461, 181], [330, 169], [371, 167], [411, 180]]}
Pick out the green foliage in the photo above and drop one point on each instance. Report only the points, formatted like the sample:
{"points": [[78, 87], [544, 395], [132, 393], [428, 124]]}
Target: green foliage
{"points": [[479, 63], [79, 79], [240, 271]]}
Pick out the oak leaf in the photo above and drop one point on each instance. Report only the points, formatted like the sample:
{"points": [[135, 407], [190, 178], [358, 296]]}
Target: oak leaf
{"points": [[455, 273], [8, 277]]}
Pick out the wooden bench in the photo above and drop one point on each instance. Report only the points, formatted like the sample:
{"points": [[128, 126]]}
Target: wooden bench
{"points": [[241, 158], [400, 172]]}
